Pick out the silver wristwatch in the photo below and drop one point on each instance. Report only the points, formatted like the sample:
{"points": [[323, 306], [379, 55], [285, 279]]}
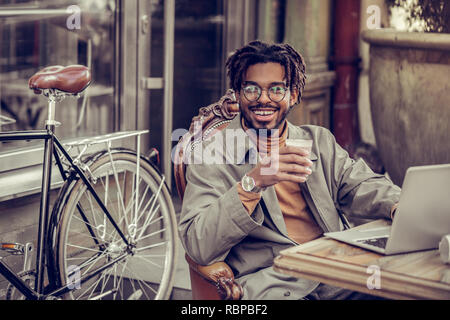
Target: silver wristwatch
{"points": [[249, 185]]}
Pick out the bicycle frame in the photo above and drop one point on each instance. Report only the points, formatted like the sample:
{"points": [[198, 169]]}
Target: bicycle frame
{"points": [[51, 145]]}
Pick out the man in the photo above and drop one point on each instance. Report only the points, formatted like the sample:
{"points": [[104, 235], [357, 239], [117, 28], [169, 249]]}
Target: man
{"points": [[244, 212]]}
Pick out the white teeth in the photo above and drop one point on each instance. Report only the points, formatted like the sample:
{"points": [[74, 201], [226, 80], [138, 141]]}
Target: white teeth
{"points": [[263, 113]]}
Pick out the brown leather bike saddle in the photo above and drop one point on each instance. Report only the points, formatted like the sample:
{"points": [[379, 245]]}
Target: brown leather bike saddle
{"points": [[71, 79]]}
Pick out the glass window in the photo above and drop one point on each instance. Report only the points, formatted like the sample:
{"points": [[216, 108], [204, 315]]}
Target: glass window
{"points": [[198, 61], [36, 34]]}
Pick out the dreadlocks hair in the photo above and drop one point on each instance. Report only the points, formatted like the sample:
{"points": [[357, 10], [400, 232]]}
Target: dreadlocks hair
{"points": [[261, 52]]}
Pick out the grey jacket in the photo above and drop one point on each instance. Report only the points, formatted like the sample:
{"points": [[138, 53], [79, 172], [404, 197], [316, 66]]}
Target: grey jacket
{"points": [[215, 226]]}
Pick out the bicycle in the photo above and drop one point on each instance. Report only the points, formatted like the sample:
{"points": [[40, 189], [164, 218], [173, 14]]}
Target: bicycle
{"points": [[112, 231]]}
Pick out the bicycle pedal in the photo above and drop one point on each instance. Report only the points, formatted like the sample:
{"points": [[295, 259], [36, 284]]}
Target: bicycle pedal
{"points": [[13, 248]]}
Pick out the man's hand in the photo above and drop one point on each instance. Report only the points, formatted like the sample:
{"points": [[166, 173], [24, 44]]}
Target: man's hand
{"points": [[393, 209], [289, 164]]}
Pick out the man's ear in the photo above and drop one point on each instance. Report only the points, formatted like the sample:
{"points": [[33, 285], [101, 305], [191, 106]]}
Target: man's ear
{"points": [[294, 96]]}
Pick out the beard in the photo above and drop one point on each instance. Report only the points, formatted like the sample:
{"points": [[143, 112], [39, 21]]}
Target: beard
{"points": [[250, 123]]}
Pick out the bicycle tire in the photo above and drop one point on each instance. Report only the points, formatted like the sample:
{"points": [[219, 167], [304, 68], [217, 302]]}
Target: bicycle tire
{"points": [[151, 265]]}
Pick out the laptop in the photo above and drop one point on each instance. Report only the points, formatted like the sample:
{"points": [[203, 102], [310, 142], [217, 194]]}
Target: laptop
{"points": [[421, 219]]}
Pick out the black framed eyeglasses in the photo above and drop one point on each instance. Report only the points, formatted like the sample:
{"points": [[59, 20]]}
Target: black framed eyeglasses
{"points": [[252, 92]]}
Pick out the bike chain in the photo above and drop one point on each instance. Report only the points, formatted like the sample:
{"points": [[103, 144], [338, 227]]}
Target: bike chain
{"points": [[27, 276]]}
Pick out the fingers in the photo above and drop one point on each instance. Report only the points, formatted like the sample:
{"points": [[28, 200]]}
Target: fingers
{"points": [[293, 172], [293, 150], [295, 159], [294, 168], [282, 176], [294, 155], [270, 180], [280, 171], [289, 164]]}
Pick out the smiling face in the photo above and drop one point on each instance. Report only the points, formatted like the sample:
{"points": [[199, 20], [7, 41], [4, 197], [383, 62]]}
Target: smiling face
{"points": [[265, 113]]}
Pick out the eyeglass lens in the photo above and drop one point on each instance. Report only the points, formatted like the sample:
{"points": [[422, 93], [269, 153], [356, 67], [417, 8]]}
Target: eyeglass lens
{"points": [[253, 92]]}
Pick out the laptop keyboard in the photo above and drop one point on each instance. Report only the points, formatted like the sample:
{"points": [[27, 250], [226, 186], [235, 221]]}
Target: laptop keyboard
{"points": [[377, 242]]}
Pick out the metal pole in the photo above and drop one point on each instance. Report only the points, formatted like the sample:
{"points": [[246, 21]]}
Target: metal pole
{"points": [[169, 38]]}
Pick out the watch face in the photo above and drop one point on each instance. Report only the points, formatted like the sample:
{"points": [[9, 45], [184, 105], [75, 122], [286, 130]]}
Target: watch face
{"points": [[248, 183]]}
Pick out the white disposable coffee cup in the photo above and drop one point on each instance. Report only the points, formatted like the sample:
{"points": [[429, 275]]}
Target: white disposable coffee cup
{"points": [[300, 143], [444, 248]]}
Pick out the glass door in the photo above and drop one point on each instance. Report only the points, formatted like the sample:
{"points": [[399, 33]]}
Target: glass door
{"points": [[147, 73], [37, 34]]}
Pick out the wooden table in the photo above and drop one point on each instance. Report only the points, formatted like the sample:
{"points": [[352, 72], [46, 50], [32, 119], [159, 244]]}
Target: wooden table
{"points": [[417, 275]]}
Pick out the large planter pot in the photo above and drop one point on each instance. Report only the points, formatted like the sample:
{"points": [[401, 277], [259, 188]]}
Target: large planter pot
{"points": [[410, 98]]}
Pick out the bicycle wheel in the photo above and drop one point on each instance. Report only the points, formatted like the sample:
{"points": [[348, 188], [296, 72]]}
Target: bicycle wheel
{"points": [[87, 239]]}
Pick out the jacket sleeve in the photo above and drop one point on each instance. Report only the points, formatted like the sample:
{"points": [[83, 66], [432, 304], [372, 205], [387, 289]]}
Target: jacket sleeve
{"points": [[213, 218], [359, 192]]}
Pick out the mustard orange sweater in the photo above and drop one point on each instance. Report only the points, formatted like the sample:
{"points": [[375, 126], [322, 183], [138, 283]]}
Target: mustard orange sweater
{"points": [[300, 224]]}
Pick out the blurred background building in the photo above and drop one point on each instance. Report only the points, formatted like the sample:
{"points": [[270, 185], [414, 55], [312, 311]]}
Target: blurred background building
{"points": [[156, 62]]}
